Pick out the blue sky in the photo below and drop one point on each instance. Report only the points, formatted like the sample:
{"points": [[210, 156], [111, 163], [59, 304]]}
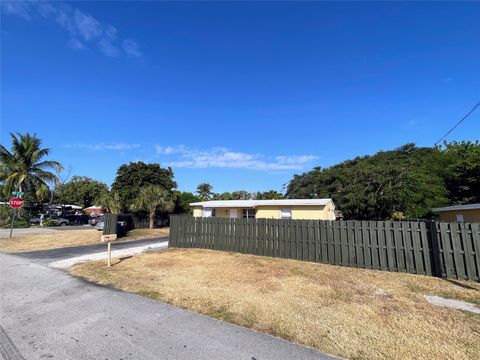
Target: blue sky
{"points": [[241, 95]]}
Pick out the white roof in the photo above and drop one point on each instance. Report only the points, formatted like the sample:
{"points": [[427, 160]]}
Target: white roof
{"points": [[457, 207], [255, 203], [64, 206]]}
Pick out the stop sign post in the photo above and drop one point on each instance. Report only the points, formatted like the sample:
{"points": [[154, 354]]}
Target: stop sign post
{"points": [[15, 203]]}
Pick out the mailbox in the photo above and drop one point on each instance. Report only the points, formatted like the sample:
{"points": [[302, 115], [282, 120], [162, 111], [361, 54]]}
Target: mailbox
{"points": [[108, 238]]}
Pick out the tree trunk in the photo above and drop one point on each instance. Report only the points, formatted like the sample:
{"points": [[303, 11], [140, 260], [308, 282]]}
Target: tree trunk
{"points": [[152, 219]]}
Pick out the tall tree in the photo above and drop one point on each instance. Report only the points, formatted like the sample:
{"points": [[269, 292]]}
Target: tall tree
{"points": [[223, 196], [241, 195], [183, 201], [204, 191], [24, 167], [152, 198], [82, 191], [269, 195], [110, 200], [132, 177], [462, 178], [408, 180]]}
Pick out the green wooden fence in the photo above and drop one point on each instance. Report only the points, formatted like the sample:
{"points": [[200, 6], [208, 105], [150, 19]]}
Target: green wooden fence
{"points": [[110, 224], [429, 248]]}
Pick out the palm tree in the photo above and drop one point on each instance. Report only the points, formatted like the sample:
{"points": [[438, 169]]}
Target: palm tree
{"points": [[110, 200], [152, 198], [204, 191], [24, 168]]}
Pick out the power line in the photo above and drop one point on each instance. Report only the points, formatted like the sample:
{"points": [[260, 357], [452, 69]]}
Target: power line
{"points": [[453, 128]]}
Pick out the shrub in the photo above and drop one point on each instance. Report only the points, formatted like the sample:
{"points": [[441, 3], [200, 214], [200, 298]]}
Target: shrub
{"points": [[17, 224], [49, 222], [398, 215]]}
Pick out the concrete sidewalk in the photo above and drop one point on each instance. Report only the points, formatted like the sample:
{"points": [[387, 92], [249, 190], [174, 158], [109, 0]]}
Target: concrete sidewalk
{"points": [[46, 313]]}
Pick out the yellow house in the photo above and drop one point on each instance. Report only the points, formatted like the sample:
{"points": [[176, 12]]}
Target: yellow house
{"points": [[459, 213], [310, 209]]}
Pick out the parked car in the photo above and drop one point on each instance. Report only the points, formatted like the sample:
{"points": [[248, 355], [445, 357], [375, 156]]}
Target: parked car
{"points": [[100, 224], [121, 226], [58, 221], [93, 221]]}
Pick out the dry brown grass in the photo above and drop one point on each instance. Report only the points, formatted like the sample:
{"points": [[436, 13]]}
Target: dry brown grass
{"points": [[353, 313], [66, 238]]}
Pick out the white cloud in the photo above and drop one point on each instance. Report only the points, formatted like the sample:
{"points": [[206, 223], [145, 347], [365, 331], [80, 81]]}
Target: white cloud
{"points": [[296, 159], [167, 150], [107, 48], [46, 9], [19, 8], [224, 158], [82, 27], [103, 146], [131, 48], [111, 32], [76, 44], [86, 25]]}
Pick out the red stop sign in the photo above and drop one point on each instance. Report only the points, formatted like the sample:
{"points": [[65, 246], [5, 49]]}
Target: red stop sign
{"points": [[16, 203]]}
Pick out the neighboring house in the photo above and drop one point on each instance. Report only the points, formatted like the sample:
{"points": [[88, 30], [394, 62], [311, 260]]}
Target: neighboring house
{"points": [[311, 209], [460, 213]]}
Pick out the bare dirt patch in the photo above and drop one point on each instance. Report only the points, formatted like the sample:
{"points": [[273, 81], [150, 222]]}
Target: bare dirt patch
{"points": [[67, 238], [353, 313]]}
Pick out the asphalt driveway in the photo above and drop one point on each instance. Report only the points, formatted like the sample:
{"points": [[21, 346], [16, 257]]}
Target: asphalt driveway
{"points": [[46, 313], [48, 256]]}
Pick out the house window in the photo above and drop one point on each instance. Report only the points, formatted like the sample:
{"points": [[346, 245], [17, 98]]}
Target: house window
{"points": [[248, 213], [208, 212], [286, 213], [214, 212], [460, 218]]}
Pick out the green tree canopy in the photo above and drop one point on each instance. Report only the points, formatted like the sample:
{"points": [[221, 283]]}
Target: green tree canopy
{"points": [[241, 195], [410, 180], [82, 191], [152, 198], [183, 201], [132, 177], [269, 195], [24, 167], [204, 191], [223, 196], [463, 171], [110, 200]]}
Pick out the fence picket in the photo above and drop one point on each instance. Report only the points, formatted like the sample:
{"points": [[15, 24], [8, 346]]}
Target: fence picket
{"points": [[476, 250], [445, 238], [457, 258], [425, 248], [465, 231], [416, 249], [381, 245]]}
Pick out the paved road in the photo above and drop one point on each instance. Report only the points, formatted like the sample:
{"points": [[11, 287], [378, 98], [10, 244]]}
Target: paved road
{"points": [[47, 314], [48, 256]]}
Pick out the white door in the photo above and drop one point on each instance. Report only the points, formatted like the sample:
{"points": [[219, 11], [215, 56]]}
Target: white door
{"points": [[233, 213]]}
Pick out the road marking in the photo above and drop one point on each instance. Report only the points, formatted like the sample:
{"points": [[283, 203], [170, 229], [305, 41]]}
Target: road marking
{"points": [[8, 350], [66, 263]]}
